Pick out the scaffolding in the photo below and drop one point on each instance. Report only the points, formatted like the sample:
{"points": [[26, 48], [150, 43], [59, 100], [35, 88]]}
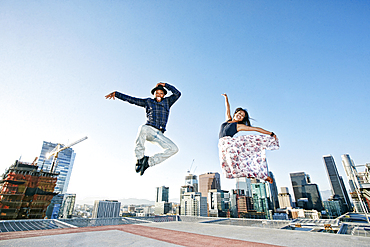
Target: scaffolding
{"points": [[360, 193], [26, 192]]}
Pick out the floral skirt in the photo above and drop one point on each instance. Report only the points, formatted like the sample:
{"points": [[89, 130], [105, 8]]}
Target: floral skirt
{"points": [[244, 156]]}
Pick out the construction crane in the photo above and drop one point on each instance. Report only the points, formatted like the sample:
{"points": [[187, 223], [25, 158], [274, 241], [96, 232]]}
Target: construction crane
{"points": [[191, 166], [192, 163], [34, 161], [54, 153], [195, 169]]}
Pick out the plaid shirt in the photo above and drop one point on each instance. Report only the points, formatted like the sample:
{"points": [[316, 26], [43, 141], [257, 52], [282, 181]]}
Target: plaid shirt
{"points": [[156, 112]]}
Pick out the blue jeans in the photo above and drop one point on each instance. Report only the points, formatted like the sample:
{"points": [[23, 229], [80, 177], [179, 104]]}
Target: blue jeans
{"points": [[151, 134]]}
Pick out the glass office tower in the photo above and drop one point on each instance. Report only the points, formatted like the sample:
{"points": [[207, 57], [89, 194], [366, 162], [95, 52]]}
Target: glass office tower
{"points": [[274, 192], [162, 194], [261, 198], [209, 181], [336, 182], [306, 194], [64, 165]]}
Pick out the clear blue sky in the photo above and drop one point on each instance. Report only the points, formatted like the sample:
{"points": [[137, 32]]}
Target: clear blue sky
{"points": [[301, 68]]}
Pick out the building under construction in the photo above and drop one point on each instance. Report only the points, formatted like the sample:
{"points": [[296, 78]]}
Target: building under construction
{"points": [[26, 192], [359, 182]]}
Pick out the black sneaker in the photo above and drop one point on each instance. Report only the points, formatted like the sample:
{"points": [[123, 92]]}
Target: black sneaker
{"points": [[144, 165], [139, 164]]}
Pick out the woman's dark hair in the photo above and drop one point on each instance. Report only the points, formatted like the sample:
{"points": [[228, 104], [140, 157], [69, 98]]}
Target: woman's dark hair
{"points": [[246, 119]]}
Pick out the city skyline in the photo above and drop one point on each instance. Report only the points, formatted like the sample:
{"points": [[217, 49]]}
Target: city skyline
{"points": [[300, 69], [241, 183], [188, 178], [264, 195]]}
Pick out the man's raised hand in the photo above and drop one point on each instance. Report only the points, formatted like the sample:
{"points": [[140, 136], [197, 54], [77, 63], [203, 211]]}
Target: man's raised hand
{"points": [[111, 96]]}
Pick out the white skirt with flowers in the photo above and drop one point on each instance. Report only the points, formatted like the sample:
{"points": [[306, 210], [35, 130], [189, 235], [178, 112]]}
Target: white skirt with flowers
{"points": [[244, 156]]}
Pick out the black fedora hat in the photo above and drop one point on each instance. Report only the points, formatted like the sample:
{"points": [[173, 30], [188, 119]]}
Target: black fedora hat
{"points": [[159, 87]]}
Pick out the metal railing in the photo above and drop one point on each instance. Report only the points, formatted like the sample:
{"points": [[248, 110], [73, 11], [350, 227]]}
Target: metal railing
{"points": [[34, 224], [277, 224], [82, 222], [46, 224], [28, 225], [361, 231]]}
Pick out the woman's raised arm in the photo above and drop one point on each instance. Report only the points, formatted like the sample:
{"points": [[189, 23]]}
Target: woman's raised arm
{"points": [[227, 105]]}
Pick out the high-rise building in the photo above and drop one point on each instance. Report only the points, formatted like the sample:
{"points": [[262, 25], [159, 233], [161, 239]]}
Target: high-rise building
{"points": [[336, 182], [273, 193], [64, 165], [162, 206], [261, 198], [218, 202], [306, 194], [68, 204], [52, 211], [185, 189], [245, 204], [285, 199], [162, 194], [191, 185], [244, 183], [192, 180], [61, 206], [234, 202], [194, 204], [209, 181], [351, 172], [242, 206], [334, 207], [106, 209]]}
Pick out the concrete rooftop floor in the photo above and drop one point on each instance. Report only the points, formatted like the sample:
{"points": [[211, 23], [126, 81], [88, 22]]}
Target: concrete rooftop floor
{"points": [[176, 234]]}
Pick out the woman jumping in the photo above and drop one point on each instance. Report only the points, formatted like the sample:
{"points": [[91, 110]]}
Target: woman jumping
{"points": [[244, 156]]}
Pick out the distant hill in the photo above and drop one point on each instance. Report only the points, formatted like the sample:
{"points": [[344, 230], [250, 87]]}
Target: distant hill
{"points": [[135, 201], [126, 201], [175, 200]]}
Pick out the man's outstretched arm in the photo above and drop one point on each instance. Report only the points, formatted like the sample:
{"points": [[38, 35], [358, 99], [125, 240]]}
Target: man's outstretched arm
{"points": [[124, 97]]}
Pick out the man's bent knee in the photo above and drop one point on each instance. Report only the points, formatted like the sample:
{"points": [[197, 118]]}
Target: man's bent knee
{"points": [[174, 149]]}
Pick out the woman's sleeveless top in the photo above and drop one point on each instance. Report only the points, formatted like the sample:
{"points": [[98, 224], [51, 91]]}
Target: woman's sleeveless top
{"points": [[227, 129]]}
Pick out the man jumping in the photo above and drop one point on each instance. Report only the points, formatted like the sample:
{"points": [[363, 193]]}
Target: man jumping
{"points": [[157, 112]]}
